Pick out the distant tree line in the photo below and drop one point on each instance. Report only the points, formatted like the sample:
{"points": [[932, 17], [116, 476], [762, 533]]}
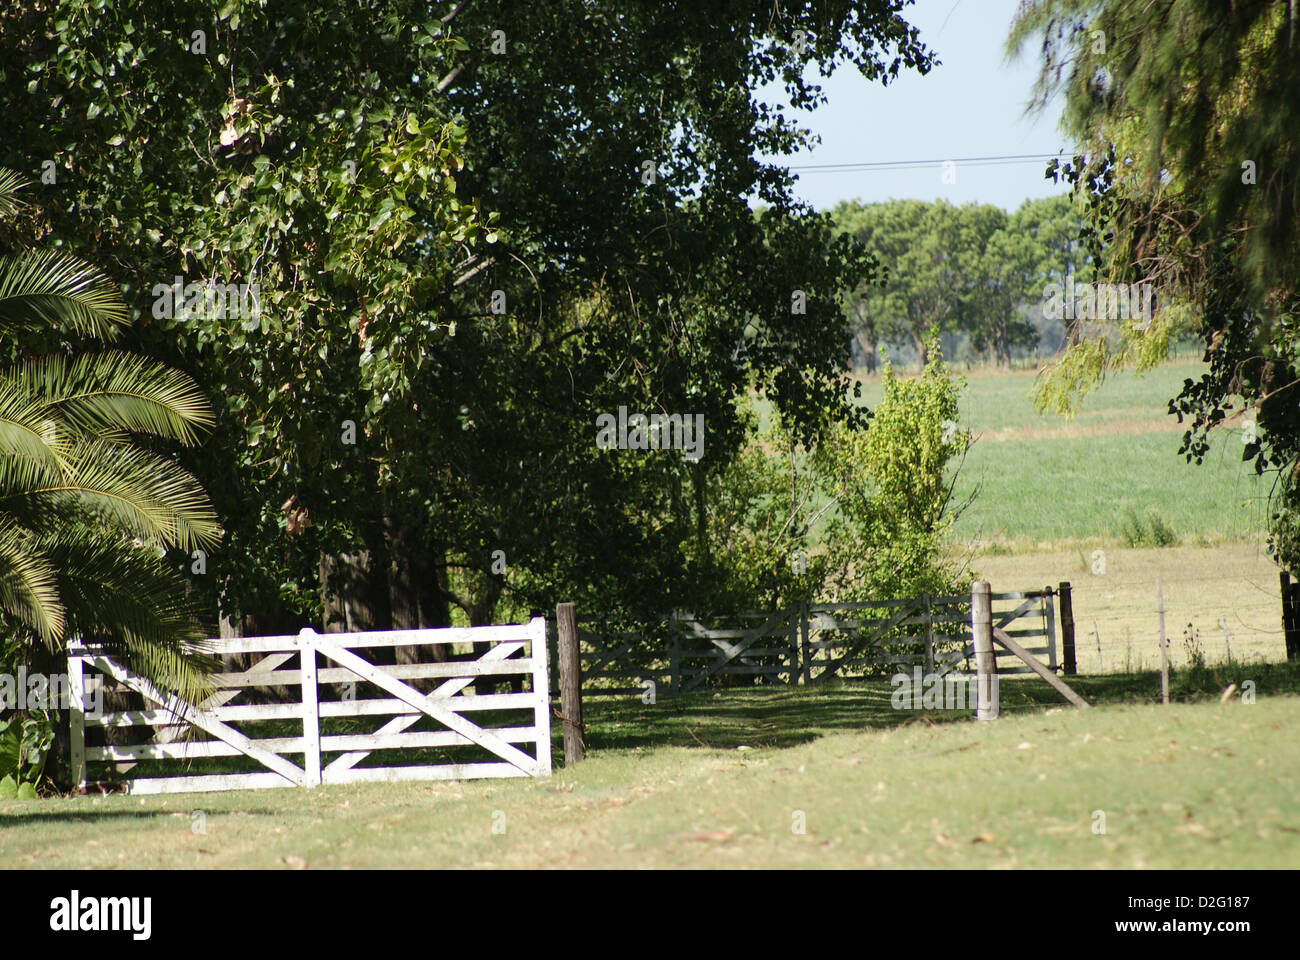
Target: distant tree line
{"points": [[975, 274]]}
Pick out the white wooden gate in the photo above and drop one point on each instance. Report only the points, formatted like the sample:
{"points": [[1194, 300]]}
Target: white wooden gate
{"points": [[325, 682]]}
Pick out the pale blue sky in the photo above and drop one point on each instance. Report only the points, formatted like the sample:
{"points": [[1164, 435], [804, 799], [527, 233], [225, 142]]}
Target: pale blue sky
{"points": [[972, 105]]}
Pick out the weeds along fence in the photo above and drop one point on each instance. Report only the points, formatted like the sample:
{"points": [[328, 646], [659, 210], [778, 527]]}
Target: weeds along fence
{"points": [[334, 716], [805, 644]]}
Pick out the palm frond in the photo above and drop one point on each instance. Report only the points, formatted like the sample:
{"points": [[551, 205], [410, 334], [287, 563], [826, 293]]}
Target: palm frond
{"points": [[50, 288], [120, 596], [29, 590], [10, 183], [42, 515], [33, 445], [113, 390], [74, 490], [140, 493]]}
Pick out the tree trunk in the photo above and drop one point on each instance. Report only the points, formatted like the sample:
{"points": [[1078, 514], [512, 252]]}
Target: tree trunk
{"points": [[481, 609], [403, 600], [229, 626], [920, 350], [334, 619], [864, 332], [868, 347], [352, 602], [415, 595], [429, 573], [354, 593], [698, 482]]}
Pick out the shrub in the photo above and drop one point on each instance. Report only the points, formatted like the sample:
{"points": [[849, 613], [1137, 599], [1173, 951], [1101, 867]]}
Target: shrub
{"points": [[861, 515], [1131, 530], [1151, 531], [1159, 533]]}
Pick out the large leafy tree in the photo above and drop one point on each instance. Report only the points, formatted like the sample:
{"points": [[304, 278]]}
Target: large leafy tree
{"points": [[1185, 112], [351, 159], [998, 270], [85, 510]]}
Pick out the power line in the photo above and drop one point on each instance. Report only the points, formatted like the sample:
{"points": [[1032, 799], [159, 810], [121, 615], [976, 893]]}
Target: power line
{"points": [[863, 166]]}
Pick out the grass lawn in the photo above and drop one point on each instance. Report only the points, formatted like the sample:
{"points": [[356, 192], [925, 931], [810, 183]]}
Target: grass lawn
{"points": [[722, 781]]}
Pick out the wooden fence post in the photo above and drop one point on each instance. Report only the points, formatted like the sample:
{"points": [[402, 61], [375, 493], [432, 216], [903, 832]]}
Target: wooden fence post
{"points": [[1289, 631], [929, 635], [674, 653], [792, 644], [1285, 580], [1067, 628], [986, 664], [803, 643], [1293, 634], [553, 656], [566, 628]]}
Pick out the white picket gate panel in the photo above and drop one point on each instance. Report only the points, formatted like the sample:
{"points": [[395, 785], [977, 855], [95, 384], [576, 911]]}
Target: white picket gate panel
{"points": [[292, 661]]}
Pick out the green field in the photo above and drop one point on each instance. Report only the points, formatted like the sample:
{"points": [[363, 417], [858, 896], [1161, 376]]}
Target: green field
{"points": [[725, 781], [1045, 479]]}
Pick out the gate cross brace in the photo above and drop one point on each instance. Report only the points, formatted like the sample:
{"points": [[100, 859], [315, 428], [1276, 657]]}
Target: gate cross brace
{"points": [[201, 718]]}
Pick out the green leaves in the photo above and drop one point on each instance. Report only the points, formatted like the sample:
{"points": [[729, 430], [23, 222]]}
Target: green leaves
{"points": [[614, 292], [142, 494], [61, 429], [860, 514], [25, 743], [123, 597], [29, 590], [10, 183]]}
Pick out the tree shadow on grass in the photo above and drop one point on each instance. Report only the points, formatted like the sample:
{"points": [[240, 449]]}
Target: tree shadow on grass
{"points": [[779, 717], [773, 717], [41, 812]]}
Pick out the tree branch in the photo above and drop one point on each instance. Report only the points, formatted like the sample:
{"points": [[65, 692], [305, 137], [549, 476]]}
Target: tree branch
{"points": [[454, 10], [450, 78]]}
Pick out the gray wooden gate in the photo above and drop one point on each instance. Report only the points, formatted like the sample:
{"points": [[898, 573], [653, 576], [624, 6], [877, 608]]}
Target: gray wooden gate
{"points": [[806, 644]]}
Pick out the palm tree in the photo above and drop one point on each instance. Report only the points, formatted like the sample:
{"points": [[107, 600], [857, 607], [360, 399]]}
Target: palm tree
{"points": [[85, 512]]}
